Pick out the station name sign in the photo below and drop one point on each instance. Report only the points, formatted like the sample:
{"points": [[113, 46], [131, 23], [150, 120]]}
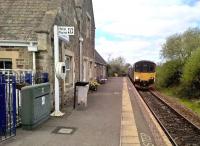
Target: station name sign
{"points": [[65, 30]]}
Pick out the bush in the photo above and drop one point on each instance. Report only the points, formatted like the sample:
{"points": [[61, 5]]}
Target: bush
{"points": [[117, 66], [93, 85], [168, 74], [191, 75]]}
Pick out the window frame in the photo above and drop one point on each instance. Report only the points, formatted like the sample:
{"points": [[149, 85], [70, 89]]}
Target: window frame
{"points": [[69, 69], [4, 60], [88, 25]]}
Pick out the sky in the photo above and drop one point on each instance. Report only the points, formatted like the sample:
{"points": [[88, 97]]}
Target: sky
{"points": [[136, 29]]}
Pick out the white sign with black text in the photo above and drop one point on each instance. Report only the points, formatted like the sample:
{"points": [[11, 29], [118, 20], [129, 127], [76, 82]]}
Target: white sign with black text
{"points": [[65, 30]]}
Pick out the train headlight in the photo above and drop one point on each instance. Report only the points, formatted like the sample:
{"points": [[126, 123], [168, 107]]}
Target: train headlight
{"points": [[136, 77]]}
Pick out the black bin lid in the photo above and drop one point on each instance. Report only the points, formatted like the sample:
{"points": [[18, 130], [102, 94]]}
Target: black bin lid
{"points": [[81, 83]]}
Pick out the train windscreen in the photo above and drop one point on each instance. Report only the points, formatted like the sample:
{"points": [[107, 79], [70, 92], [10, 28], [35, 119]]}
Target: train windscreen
{"points": [[144, 67]]}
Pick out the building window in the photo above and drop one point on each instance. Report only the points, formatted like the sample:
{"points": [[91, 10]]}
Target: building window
{"points": [[69, 70], [88, 30], [5, 64], [85, 70], [104, 71], [90, 70]]}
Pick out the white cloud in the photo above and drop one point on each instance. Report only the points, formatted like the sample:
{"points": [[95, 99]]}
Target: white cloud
{"points": [[153, 19], [132, 50]]}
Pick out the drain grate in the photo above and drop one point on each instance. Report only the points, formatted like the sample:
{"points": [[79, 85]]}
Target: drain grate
{"points": [[64, 130]]}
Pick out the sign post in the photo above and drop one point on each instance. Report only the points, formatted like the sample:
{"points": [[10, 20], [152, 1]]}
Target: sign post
{"points": [[60, 32]]}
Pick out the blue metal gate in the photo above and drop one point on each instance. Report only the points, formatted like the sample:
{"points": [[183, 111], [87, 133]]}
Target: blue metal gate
{"points": [[8, 106], [11, 82]]}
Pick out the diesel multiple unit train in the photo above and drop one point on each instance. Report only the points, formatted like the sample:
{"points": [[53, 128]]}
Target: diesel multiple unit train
{"points": [[142, 73]]}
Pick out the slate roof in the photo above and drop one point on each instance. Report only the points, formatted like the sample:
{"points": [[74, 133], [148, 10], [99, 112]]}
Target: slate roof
{"points": [[99, 59], [19, 19]]}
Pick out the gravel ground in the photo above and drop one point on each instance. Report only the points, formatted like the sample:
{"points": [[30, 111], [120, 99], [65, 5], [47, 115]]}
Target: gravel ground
{"points": [[187, 113]]}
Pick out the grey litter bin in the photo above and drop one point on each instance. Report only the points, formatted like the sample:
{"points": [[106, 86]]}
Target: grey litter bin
{"points": [[81, 91], [35, 105]]}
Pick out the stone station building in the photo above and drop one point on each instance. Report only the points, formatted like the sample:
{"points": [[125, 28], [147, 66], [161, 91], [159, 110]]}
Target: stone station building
{"points": [[27, 39], [100, 67]]}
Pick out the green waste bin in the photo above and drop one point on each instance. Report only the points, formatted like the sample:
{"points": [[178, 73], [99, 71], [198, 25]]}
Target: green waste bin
{"points": [[35, 105]]}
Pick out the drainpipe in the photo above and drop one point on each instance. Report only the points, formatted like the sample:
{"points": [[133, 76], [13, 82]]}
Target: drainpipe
{"points": [[79, 18], [81, 57], [34, 64], [33, 49], [34, 68]]}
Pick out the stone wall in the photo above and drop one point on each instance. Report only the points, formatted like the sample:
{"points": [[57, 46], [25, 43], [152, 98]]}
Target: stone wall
{"points": [[88, 22]]}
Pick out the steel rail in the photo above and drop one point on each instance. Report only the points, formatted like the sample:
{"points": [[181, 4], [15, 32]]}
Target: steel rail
{"points": [[173, 112], [160, 123]]}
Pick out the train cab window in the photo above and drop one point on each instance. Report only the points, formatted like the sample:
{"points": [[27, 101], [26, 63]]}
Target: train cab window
{"points": [[148, 68], [144, 67], [151, 68], [138, 68]]}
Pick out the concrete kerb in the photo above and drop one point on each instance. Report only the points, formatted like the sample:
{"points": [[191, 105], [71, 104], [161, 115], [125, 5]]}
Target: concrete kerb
{"points": [[159, 136]]}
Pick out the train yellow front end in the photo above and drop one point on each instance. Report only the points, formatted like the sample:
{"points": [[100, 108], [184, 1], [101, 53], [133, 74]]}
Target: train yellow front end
{"points": [[144, 79], [143, 73]]}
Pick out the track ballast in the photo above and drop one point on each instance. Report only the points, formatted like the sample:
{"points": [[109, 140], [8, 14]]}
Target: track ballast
{"points": [[180, 131]]}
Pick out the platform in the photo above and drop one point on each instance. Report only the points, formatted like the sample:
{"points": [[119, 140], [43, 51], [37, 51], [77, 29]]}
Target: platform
{"points": [[113, 118]]}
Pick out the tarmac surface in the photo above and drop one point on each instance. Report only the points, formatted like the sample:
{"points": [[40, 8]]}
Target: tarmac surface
{"points": [[99, 124]]}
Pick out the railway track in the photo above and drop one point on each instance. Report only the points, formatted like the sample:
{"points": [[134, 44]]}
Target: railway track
{"points": [[180, 131]]}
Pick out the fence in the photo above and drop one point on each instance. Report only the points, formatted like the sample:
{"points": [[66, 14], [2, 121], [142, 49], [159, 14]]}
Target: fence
{"points": [[8, 106], [11, 82]]}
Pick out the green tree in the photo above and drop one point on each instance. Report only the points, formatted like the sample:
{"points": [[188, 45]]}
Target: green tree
{"points": [[119, 61], [180, 46], [182, 68], [172, 49], [117, 65], [191, 75], [168, 74], [191, 41]]}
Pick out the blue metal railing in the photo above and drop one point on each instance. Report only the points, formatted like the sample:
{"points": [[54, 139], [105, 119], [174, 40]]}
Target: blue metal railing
{"points": [[11, 82], [8, 106], [3, 106]]}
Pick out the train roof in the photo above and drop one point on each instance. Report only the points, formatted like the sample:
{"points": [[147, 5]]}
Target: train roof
{"points": [[144, 61]]}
